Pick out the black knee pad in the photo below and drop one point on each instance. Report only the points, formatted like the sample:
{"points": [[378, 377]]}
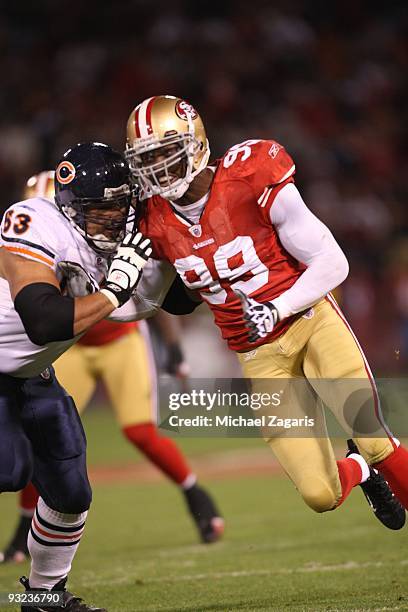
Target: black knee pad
{"points": [[71, 494], [78, 501]]}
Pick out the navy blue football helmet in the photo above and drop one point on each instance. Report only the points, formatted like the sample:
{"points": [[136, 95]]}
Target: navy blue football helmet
{"points": [[94, 192]]}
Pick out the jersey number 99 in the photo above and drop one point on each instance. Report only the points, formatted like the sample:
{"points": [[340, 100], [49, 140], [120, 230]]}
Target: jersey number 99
{"points": [[195, 273]]}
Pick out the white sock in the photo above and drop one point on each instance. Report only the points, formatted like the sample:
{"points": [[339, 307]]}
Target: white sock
{"points": [[53, 540], [365, 470]]}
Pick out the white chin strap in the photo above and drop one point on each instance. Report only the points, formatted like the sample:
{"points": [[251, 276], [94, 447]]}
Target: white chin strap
{"points": [[100, 241], [103, 243], [175, 190]]}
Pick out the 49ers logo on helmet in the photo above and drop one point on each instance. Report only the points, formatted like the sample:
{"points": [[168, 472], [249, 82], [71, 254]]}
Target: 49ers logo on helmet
{"points": [[65, 172], [184, 110]]}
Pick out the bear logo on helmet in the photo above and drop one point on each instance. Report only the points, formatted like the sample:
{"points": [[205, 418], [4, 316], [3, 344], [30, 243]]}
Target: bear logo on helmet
{"points": [[65, 172]]}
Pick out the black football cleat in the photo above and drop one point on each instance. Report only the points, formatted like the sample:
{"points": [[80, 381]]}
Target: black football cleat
{"points": [[379, 496], [70, 603], [209, 523], [17, 551]]}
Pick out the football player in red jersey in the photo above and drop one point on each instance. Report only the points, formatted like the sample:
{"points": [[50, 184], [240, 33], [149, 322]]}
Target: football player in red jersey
{"points": [[238, 232]]}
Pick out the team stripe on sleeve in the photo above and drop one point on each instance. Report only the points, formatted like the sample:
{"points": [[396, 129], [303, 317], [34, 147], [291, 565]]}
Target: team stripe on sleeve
{"points": [[262, 200], [269, 194], [19, 246], [47, 534], [287, 174]]}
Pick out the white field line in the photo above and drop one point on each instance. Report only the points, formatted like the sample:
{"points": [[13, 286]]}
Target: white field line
{"points": [[306, 569], [311, 568]]}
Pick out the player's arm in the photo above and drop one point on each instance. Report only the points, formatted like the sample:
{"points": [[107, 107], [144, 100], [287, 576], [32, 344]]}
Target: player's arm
{"points": [[49, 316], [159, 287], [170, 330], [309, 241], [46, 314], [154, 284], [179, 300]]}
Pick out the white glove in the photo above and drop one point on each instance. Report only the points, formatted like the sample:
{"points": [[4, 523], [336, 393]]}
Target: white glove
{"points": [[126, 267], [260, 318]]}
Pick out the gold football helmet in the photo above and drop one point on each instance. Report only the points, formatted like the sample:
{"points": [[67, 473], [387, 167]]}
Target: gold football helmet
{"points": [[40, 186], [166, 146]]}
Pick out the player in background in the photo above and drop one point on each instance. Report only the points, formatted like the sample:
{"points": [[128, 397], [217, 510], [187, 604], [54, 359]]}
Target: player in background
{"points": [[120, 355], [238, 232], [46, 245]]}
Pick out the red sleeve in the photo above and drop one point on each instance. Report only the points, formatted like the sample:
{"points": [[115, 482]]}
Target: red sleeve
{"points": [[273, 169], [268, 196], [263, 163], [272, 164]]}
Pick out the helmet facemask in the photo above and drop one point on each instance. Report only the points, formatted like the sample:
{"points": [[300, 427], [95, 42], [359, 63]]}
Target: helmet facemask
{"points": [[103, 232], [171, 176]]}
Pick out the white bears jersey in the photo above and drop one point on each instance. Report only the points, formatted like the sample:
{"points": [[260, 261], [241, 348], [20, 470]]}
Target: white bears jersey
{"points": [[37, 230]]}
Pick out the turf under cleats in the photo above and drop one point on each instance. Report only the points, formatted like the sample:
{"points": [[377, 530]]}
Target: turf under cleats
{"points": [[209, 523], [17, 551], [70, 603], [380, 498]]}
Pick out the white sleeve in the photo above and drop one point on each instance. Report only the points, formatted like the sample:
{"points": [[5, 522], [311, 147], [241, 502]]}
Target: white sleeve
{"points": [[157, 277], [125, 313], [25, 233], [309, 241]]}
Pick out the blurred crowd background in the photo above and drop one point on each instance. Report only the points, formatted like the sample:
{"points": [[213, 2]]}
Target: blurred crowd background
{"points": [[326, 79]]}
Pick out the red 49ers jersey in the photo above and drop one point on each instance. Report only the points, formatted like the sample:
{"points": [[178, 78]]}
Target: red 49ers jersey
{"points": [[234, 245]]}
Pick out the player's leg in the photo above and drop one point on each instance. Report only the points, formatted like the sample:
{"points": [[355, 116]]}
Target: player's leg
{"points": [[16, 550], [309, 460], [129, 373], [54, 429], [15, 461], [73, 370], [337, 369]]}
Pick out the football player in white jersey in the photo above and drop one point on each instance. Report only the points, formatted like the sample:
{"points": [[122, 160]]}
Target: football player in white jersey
{"points": [[113, 352], [55, 282]]}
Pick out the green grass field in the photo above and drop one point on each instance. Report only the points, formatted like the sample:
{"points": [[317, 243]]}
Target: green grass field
{"points": [[140, 550]]}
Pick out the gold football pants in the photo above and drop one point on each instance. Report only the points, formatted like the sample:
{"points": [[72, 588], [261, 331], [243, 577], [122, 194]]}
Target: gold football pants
{"points": [[126, 366], [321, 349]]}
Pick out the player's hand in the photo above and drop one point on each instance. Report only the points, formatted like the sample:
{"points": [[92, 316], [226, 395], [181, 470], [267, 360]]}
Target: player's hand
{"points": [[126, 268], [260, 318], [176, 364], [76, 281]]}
